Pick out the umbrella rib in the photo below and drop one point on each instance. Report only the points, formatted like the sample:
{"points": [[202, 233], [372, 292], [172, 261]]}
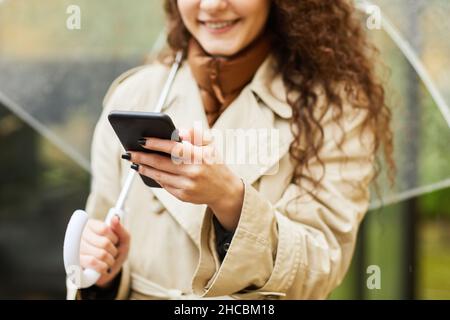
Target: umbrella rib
{"points": [[159, 42], [412, 193], [44, 131]]}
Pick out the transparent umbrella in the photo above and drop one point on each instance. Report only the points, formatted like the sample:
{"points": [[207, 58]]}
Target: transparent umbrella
{"points": [[54, 77]]}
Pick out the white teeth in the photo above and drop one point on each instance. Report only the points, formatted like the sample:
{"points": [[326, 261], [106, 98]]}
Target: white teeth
{"points": [[218, 25]]}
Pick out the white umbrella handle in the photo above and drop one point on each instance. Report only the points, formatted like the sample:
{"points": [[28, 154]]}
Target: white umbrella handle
{"points": [[81, 278], [84, 278]]}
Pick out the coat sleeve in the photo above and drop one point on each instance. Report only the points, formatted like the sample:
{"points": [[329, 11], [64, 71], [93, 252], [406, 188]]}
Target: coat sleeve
{"points": [[301, 246], [105, 170]]}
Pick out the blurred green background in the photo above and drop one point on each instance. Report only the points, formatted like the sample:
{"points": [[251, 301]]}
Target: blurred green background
{"points": [[60, 76]]}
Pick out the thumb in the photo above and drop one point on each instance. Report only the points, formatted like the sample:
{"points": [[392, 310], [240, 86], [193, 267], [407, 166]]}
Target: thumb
{"points": [[120, 231]]}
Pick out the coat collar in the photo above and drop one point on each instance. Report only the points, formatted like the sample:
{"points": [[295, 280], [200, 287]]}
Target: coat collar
{"points": [[246, 112], [269, 87]]}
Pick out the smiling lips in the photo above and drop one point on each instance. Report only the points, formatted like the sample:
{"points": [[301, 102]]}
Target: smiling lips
{"points": [[219, 26]]}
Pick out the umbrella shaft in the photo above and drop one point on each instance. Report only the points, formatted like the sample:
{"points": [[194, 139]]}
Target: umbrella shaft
{"points": [[161, 101]]}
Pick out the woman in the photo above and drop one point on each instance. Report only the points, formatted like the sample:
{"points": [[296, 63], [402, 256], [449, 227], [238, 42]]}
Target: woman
{"points": [[282, 229]]}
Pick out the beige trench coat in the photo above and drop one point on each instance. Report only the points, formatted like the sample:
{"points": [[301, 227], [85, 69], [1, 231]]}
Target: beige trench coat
{"points": [[284, 246]]}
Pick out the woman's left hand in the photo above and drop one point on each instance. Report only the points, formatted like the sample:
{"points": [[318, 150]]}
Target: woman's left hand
{"points": [[194, 173]]}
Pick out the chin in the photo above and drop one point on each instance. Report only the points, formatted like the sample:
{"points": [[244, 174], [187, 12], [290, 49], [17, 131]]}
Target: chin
{"points": [[219, 48], [220, 52]]}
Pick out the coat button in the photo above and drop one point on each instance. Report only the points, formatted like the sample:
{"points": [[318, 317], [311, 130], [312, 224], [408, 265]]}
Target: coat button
{"points": [[156, 206]]}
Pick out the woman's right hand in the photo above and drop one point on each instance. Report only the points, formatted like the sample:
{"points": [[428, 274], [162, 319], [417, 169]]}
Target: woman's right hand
{"points": [[104, 248]]}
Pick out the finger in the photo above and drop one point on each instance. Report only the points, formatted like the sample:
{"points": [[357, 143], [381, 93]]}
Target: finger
{"points": [[184, 150], [100, 254], [184, 133], [100, 228], [196, 136], [100, 242], [187, 153], [176, 181], [178, 193], [91, 262], [122, 233], [156, 144], [156, 161]]}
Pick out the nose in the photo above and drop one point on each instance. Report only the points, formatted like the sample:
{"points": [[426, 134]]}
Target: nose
{"points": [[213, 5]]}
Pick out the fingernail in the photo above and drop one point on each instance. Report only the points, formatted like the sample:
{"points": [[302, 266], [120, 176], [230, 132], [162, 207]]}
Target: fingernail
{"points": [[142, 141], [117, 216], [177, 136], [126, 156], [135, 166]]}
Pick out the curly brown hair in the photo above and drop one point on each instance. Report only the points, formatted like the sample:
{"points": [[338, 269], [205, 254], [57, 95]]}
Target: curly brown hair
{"points": [[318, 43]]}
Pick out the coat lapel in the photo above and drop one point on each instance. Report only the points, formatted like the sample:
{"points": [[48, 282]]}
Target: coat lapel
{"points": [[253, 113], [252, 143]]}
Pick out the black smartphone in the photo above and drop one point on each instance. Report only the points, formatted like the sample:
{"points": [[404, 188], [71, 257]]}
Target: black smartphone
{"points": [[130, 126]]}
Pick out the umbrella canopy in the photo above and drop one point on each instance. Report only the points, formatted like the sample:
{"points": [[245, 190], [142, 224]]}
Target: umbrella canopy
{"points": [[55, 69]]}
